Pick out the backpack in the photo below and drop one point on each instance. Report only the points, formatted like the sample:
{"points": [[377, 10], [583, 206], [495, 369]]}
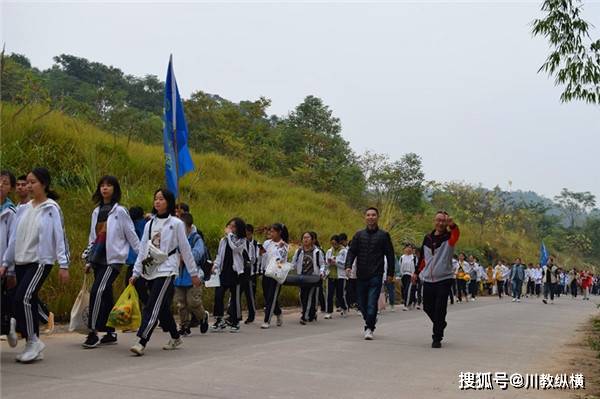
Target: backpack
{"points": [[205, 262]]}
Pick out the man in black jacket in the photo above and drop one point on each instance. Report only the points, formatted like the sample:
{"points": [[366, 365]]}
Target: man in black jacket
{"points": [[370, 247]]}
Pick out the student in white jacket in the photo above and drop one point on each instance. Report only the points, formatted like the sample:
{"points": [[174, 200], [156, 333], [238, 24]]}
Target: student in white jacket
{"points": [[408, 266], [274, 249], [229, 265], [335, 260], [163, 245], [37, 242], [111, 234], [8, 213], [308, 260]]}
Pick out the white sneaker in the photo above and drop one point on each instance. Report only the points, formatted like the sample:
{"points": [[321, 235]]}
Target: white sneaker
{"points": [[368, 334], [392, 308], [514, 300], [138, 349], [518, 300], [31, 351], [11, 337], [265, 326], [327, 316], [279, 320], [173, 344], [40, 356], [404, 308]]}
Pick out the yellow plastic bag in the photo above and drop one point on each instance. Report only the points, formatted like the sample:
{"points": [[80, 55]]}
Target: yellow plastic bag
{"points": [[126, 314]]}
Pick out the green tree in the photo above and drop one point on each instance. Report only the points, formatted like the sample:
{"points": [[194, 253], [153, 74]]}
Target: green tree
{"points": [[574, 204], [580, 242], [477, 204], [316, 152], [592, 231], [401, 180], [574, 60]]}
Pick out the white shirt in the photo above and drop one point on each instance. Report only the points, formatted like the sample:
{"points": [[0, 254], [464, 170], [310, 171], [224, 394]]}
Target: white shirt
{"points": [[28, 235], [505, 272], [274, 250], [481, 274], [156, 238], [157, 226], [407, 264]]}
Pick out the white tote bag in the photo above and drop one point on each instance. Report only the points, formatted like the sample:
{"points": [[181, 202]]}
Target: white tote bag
{"points": [[80, 310], [278, 270], [213, 282]]}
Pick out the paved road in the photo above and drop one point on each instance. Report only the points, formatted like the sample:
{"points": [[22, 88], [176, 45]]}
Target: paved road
{"points": [[324, 360]]}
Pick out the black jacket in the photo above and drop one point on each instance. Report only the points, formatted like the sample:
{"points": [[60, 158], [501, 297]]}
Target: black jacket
{"points": [[370, 247]]}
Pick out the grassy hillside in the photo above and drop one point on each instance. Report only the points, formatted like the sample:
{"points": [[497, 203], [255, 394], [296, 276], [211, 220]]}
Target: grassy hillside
{"points": [[77, 154]]}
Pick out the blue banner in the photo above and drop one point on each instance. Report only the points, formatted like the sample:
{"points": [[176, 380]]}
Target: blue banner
{"points": [[178, 160], [543, 255]]}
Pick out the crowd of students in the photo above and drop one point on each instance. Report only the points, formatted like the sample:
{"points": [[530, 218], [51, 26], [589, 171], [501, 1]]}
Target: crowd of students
{"points": [[167, 260], [518, 279]]}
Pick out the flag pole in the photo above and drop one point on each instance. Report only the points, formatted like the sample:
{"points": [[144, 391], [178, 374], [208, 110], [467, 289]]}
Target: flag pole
{"points": [[174, 123]]}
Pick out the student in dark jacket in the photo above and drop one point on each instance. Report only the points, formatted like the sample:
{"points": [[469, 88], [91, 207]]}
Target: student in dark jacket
{"points": [[229, 265], [369, 247], [248, 278]]}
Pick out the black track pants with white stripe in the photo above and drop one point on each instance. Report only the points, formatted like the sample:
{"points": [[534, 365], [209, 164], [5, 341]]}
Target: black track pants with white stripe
{"points": [[248, 289], [308, 298], [101, 297], [158, 309], [340, 292], [234, 303], [30, 279], [271, 290]]}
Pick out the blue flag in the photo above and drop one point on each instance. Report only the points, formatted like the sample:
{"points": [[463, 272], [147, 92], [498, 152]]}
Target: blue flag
{"points": [[543, 255], [178, 160]]}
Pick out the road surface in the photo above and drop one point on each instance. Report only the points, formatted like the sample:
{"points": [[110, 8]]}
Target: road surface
{"points": [[328, 359]]}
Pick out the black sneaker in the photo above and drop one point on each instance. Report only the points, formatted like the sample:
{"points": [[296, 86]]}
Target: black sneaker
{"points": [[91, 341], [249, 321], [109, 339], [234, 328], [204, 324], [184, 331], [218, 326], [436, 344]]}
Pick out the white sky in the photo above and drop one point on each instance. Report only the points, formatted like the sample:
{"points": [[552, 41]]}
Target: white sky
{"points": [[455, 82]]}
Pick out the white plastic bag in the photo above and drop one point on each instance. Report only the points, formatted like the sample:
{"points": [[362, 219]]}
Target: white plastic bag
{"points": [[213, 282], [81, 310], [278, 270], [154, 259]]}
